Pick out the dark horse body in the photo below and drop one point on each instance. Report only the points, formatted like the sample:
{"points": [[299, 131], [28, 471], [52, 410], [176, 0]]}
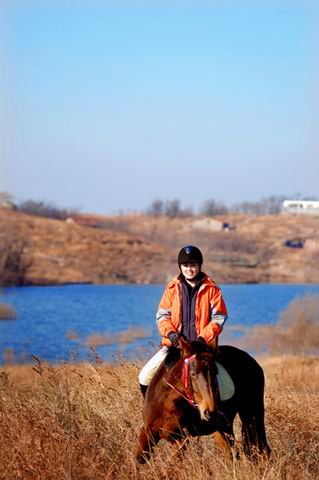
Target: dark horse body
{"points": [[168, 414]]}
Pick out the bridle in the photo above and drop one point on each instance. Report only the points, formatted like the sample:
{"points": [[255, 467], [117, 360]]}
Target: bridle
{"points": [[187, 392]]}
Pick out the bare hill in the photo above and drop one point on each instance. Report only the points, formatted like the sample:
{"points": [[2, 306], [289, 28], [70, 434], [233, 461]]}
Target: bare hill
{"points": [[143, 249]]}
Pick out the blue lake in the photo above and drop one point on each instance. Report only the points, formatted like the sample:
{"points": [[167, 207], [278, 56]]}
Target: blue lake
{"points": [[48, 316]]}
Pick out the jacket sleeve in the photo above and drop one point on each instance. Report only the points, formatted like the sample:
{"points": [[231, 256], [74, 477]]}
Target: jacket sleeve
{"points": [[164, 315], [218, 316]]}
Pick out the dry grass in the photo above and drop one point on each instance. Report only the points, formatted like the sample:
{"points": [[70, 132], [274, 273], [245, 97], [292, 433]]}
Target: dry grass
{"points": [[81, 422], [124, 337], [7, 312], [295, 332]]}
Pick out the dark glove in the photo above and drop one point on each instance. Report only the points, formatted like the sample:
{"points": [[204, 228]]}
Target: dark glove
{"points": [[201, 339], [173, 336]]}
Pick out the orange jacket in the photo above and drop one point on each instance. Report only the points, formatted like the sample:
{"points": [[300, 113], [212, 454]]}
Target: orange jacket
{"points": [[210, 310]]}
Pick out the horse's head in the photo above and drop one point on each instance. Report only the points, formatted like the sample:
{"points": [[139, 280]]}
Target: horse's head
{"points": [[199, 376]]}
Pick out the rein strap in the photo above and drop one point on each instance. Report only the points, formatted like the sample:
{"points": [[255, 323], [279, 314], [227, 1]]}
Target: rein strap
{"points": [[181, 393], [187, 381], [188, 392]]}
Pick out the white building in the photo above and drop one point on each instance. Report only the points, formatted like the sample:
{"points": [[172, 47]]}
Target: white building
{"points": [[301, 206]]}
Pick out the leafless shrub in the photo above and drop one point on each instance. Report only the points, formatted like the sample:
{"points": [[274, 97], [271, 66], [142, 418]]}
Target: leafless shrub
{"points": [[45, 209], [211, 208], [296, 331]]}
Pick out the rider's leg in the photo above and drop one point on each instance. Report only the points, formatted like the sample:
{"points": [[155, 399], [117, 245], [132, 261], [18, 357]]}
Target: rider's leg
{"points": [[143, 389], [149, 369]]}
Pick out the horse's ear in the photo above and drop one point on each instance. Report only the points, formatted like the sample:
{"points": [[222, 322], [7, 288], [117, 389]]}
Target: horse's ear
{"points": [[185, 346]]}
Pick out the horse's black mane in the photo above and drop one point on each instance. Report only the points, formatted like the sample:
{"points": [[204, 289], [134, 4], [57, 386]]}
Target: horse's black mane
{"points": [[174, 353]]}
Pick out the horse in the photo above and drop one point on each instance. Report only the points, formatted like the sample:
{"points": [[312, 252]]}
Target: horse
{"points": [[183, 400]]}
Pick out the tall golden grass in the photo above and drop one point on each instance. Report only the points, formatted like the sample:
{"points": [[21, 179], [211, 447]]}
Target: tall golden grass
{"points": [[81, 422]]}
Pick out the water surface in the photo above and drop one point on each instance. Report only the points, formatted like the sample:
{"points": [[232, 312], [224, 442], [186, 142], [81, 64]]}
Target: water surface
{"points": [[47, 315]]}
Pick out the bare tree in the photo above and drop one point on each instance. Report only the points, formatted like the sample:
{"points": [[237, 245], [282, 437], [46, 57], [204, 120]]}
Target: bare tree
{"points": [[266, 206], [156, 209], [212, 208], [173, 209]]}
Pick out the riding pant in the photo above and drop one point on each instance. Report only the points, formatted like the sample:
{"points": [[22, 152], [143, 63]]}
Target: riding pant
{"points": [[149, 369]]}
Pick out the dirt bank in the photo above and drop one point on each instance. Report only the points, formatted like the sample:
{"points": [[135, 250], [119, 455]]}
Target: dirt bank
{"points": [[142, 249]]}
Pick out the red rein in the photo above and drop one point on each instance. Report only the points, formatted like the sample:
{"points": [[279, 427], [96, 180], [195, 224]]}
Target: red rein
{"points": [[188, 391], [187, 382]]}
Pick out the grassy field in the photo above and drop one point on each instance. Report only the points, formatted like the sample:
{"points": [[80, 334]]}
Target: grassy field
{"points": [[82, 421]]}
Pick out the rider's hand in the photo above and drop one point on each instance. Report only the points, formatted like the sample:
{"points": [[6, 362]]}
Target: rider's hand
{"points": [[173, 336], [201, 339]]}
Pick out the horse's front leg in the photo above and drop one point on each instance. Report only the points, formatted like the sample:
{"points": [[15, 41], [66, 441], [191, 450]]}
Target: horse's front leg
{"points": [[146, 442], [172, 431], [179, 443], [225, 443]]}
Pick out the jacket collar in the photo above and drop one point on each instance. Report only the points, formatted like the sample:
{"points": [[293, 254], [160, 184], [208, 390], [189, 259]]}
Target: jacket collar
{"points": [[207, 281]]}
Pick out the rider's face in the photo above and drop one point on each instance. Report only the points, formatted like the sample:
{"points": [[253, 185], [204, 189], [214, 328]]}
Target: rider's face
{"points": [[190, 270]]}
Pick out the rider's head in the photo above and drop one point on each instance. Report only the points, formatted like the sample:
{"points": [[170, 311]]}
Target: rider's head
{"points": [[190, 254]]}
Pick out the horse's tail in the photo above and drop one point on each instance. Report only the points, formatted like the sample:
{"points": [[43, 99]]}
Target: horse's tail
{"points": [[252, 413]]}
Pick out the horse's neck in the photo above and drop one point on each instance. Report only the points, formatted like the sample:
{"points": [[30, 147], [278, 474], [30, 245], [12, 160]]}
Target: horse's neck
{"points": [[174, 374]]}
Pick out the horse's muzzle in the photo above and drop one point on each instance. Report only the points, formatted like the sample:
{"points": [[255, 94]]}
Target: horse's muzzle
{"points": [[219, 418], [206, 411], [206, 407], [206, 415]]}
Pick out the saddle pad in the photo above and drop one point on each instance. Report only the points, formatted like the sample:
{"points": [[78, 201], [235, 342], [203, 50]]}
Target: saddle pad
{"points": [[226, 385]]}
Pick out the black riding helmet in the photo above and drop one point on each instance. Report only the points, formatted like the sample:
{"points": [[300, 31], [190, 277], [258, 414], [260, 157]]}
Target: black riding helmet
{"points": [[190, 254]]}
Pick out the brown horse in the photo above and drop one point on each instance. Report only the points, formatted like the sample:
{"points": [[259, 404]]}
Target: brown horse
{"points": [[183, 399]]}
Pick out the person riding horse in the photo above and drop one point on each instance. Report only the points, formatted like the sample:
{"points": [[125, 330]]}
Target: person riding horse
{"points": [[184, 400], [192, 306]]}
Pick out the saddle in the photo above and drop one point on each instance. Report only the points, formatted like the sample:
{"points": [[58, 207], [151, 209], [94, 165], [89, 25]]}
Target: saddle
{"points": [[226, 385]]}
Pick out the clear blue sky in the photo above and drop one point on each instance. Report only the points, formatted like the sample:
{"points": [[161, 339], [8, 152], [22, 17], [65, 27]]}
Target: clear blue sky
{"points": [[107, 108]]}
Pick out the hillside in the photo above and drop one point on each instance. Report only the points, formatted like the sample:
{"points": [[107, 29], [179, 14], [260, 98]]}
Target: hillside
{"points": [[143, 249]]}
